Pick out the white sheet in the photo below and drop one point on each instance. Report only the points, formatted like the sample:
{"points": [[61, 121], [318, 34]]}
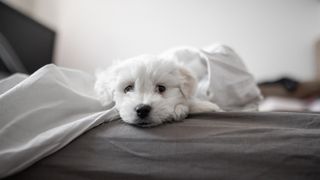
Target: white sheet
{"points": [[223, 78], [229, 82], [42, 113]]}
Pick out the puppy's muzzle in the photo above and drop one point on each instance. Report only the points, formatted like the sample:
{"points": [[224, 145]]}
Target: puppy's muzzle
{"points": [[143, 110]]}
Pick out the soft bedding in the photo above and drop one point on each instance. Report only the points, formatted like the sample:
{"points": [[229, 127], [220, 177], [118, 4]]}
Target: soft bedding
{"points": [[247, 145], [45, 111], [41, 113]]}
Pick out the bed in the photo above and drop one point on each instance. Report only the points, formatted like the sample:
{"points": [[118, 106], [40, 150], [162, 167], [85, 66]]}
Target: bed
{"points": [[53, 126], [252, 145], [60, 130]]}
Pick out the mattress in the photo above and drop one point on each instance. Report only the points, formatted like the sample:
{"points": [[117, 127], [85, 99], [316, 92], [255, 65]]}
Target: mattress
{"points": [[255, 145]]}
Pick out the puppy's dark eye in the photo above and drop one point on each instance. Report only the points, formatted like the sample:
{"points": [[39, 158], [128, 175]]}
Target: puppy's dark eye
{"points": [[160, 88], [128, 88]]}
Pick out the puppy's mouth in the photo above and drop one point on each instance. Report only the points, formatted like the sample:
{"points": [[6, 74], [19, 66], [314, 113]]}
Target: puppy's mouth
{"points": [[144, 123]]}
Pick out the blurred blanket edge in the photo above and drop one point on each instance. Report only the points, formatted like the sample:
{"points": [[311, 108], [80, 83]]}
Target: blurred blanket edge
{"points": [[46, 124]]}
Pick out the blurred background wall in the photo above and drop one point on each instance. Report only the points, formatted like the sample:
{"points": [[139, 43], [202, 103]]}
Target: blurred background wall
{"points": [[274, 37]]}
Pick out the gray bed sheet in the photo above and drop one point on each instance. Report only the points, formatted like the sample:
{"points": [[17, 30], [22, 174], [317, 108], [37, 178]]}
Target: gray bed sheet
{"points": [[277, 145]]}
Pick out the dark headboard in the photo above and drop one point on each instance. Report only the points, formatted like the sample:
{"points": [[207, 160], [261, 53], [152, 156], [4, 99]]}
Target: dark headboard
{"points": [[26, 44]]}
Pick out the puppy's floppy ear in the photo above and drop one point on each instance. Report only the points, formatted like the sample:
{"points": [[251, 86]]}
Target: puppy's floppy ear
{"points": [[188, 82], [104, 86]]}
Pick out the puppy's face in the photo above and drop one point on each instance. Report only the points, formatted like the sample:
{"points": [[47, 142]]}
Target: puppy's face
{"points": [[147, 90]]}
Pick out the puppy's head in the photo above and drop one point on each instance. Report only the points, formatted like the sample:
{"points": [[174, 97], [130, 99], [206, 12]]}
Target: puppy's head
{"points": [[147, 90]]}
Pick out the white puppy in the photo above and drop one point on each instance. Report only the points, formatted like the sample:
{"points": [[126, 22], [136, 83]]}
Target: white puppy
{"points": [[150, 90]]}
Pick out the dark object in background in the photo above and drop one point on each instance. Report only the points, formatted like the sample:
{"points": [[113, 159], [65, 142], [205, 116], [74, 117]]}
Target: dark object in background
{"points": [[10, 61], [26, 45], [287, 87], [287, 83]]}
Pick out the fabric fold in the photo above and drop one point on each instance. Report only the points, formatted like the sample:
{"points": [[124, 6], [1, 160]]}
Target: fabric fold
{"points": [[44, 112]]}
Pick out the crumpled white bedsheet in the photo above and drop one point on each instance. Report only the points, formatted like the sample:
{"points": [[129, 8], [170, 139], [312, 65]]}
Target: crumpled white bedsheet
{"points": [[44, 112], [222, 76], [41, 113]]}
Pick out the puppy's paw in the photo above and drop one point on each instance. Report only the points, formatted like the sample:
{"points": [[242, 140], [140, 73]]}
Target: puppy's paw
{"points": [[198, 106], [181, 112]]}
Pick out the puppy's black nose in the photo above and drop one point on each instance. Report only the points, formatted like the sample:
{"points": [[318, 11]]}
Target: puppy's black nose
{"points": [[143, 110]]}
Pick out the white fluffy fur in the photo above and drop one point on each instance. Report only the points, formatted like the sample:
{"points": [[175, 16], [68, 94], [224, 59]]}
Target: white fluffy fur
{"points": [[145, 73]]}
